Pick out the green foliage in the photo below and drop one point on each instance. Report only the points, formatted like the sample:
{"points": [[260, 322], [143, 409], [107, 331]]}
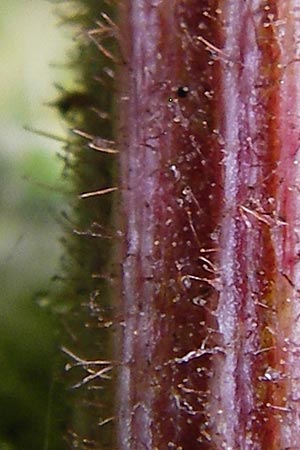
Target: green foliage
{"points": [[31, 201], [41, 410], [89, 268]]}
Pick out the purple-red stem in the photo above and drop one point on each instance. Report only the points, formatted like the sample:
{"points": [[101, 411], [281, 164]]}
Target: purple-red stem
{"points": [[209, 136]]}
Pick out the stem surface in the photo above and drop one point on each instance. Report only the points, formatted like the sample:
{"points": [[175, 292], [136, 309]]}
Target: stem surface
{"points": [[209, 134]]}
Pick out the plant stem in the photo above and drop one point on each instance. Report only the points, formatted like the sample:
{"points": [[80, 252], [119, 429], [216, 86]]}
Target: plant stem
{"points": [[209, 170]]}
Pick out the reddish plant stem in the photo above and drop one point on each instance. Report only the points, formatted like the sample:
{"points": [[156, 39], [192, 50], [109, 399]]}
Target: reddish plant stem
{"points": [[210, 136]]}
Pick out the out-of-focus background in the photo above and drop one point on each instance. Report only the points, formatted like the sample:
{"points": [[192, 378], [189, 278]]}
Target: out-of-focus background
{"points": [[33, 54]]}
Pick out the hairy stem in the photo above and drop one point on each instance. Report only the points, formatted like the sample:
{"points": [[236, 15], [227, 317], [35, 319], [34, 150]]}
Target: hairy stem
{"points": [[209, 136]]}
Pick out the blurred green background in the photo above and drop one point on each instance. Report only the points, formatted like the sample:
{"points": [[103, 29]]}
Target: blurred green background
{"points": [[33, 49]]}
